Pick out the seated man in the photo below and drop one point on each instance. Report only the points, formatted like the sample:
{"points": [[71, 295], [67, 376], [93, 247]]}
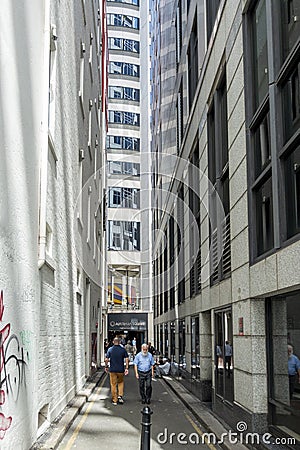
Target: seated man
{"points": [[163, 368]]}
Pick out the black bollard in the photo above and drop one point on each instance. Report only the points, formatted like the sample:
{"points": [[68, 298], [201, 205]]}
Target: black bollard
{"points": [[146, 424]]}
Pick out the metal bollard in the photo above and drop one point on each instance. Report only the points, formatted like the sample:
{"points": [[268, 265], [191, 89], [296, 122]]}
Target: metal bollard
{"points": [[146, 424]]}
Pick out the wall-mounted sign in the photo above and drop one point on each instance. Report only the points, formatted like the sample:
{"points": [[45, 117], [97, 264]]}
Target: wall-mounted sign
{"points": [[241, 326], [124, 321]]}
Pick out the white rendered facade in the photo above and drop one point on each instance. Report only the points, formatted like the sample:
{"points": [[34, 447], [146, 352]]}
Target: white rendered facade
{"points": [[51, 219], [128, 147]]}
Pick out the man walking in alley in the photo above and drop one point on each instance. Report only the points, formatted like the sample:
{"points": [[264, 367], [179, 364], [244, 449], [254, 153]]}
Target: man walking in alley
{"points": [[115, 357], [144, 372]]}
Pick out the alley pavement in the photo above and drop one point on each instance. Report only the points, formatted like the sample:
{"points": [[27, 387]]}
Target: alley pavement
{"points": [[179, 420]]}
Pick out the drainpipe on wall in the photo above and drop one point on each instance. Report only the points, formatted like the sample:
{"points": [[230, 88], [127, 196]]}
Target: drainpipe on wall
{"points": [[44, 150]]}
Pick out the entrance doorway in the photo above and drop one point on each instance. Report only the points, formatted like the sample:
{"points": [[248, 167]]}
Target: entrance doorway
{"points": [[126, 336], [224, 354]]}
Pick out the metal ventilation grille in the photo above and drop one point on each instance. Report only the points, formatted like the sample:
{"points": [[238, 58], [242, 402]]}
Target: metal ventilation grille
{"points": [[226, 257], [221, 266], [214, 257]]}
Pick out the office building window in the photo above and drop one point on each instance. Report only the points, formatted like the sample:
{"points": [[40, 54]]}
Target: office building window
{"points": [[122, 20], [283, 330], [291, 102], [180, 245], [290, 25], [124, 117], [120, 68], [123, 143], [172, 261], [124, 93], [273, 145], [212, 7], [129, 2], [165, 272], [292, 191], [178, 26], [127, 45], [193, 63], [180, 122], [195, 348], [123, 235], [181, 333], [194, 205], [172, 339], [123, 168], [166, 346], [218, 171], [224, 355], [120, 197], [260, 55]]}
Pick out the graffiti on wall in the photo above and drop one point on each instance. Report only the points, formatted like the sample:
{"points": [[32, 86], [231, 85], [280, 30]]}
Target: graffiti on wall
{"points": [[12, 368]]}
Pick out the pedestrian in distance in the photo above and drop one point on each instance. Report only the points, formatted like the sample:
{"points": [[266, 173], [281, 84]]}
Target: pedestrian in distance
{"points": [[144, 372], [129, 350], [228, 356], [134, 345], [293, 370], [151, 349], [115, 356]]}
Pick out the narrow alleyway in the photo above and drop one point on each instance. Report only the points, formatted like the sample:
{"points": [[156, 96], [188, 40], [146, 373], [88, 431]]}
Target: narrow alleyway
{"points": [[102, 425]]}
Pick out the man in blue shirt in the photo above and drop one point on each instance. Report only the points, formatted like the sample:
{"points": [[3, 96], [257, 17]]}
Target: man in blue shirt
{"points": [[293, 369], [115, 356], [144, 372]]}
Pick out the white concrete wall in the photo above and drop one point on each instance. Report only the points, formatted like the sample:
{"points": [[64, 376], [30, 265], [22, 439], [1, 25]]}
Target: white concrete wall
{"points": [[42, 306], [21, 61]]}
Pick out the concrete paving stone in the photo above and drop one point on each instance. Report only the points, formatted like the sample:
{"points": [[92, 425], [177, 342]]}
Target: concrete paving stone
{"points": [[203, 414]]}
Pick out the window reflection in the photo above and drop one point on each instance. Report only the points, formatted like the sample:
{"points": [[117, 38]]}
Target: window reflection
{"points": [[283, 319], [224, 355]]}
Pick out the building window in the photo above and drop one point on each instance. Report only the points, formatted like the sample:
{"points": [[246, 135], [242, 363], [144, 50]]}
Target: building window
{"points": [[195, 348], [193, 63], [120, 68], [124, 117], [178, 27], [172, 339], [194, 205], [81, 76], [260, 55], [129, 2], [123, 168], [224, 355], [212, 7], [283, 330], [290, 25], [124, 93], [123, 235], [291, 102], [123, 143], [165, 274], [124, 197], [127, 45], [166, 346], [172, 261], [273, 121], [180, 245], [122, 20], [181, 332], [180, 122], [292, 191], [218, 171]]}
